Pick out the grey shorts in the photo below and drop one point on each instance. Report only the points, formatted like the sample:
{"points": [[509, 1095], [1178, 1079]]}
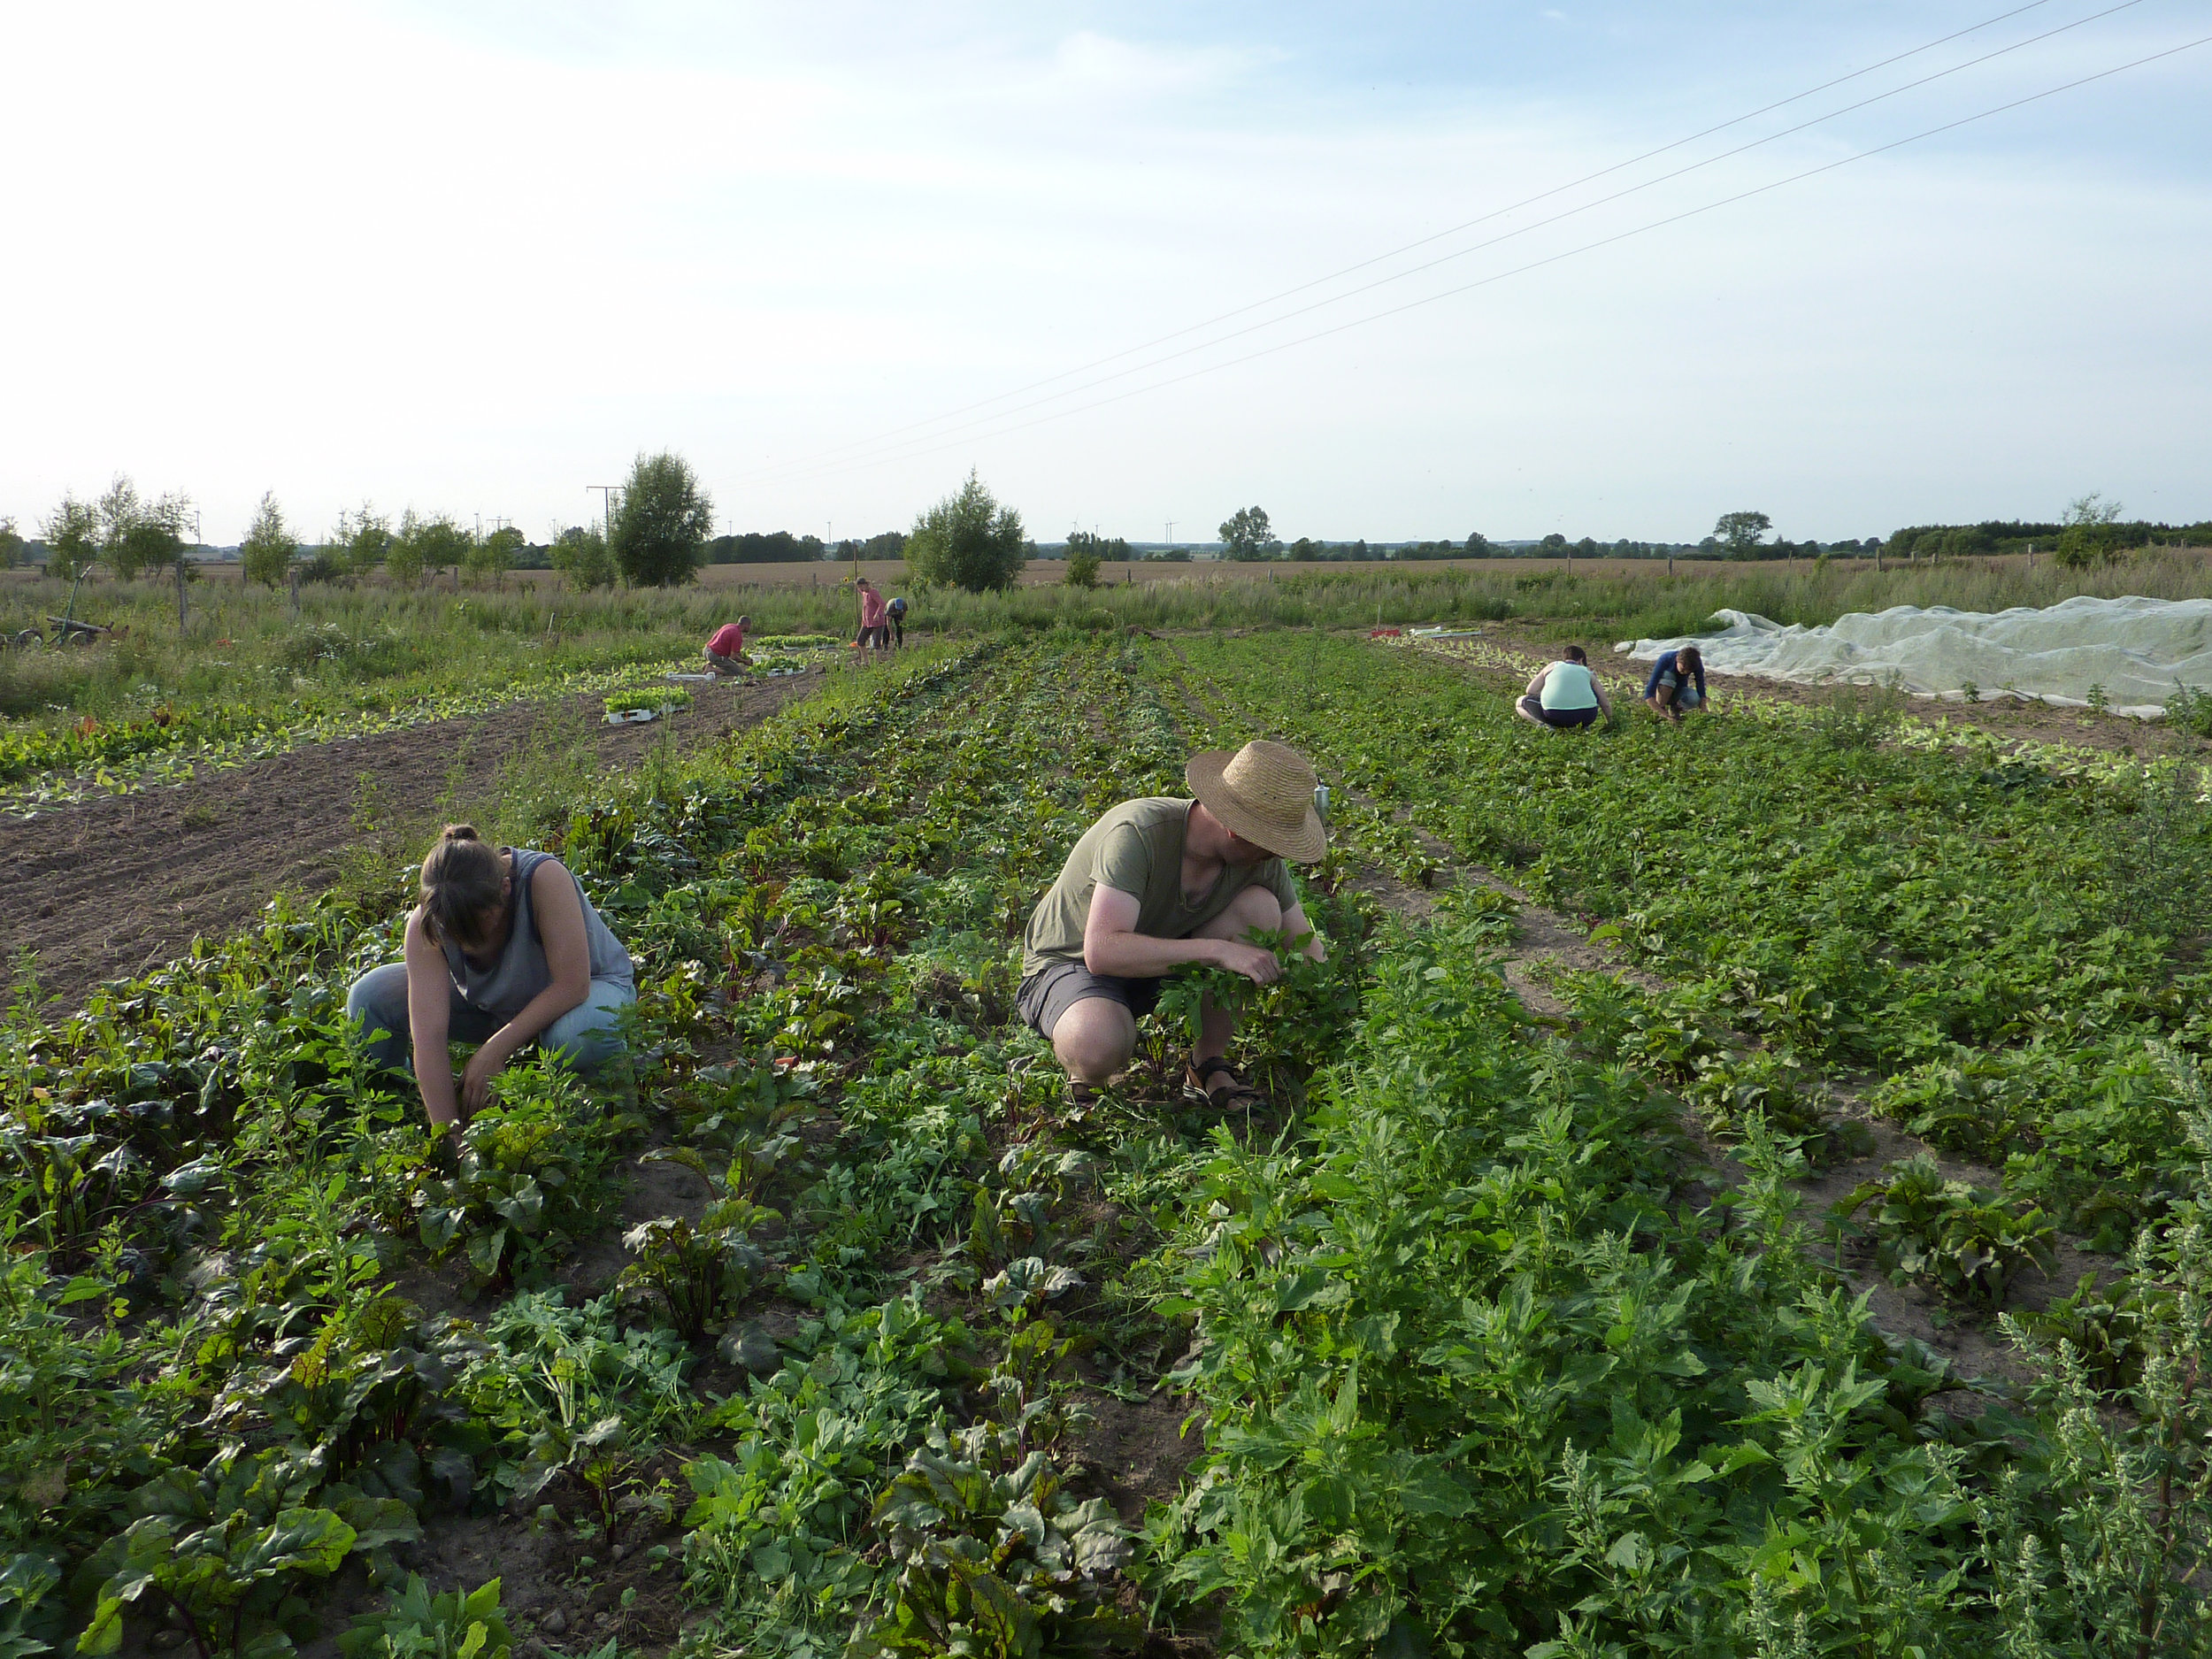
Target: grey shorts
{"points": [[1057, 987]]}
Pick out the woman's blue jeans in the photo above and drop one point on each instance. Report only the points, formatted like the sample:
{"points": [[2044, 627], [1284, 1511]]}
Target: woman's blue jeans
{"points": [[587, 1037]]}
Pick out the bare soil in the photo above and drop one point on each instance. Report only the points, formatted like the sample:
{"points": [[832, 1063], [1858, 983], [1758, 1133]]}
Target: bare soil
{"points": [[109, 887]]}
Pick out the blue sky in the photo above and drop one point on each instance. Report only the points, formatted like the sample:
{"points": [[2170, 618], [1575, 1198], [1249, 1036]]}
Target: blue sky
{"points": [[473, 259]]}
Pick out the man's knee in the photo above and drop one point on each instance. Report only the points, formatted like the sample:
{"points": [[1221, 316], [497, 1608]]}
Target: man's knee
{"points": [[1256, 907], [1095, 1038]]}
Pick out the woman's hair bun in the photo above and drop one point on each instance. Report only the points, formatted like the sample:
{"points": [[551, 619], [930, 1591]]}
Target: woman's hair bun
{"points": [[459, 832]]}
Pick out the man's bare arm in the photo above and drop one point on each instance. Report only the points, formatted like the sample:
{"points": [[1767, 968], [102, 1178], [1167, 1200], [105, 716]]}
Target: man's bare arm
{"points": [[1112, 945]]}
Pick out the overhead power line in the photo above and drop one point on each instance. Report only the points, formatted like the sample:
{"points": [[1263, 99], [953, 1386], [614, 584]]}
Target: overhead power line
{"points": [[1452, 230], [1550, 259], [889, 449]]}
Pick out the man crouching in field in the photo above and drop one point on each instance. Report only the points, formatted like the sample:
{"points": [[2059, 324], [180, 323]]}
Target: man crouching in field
{"points": [[1164, 881]]}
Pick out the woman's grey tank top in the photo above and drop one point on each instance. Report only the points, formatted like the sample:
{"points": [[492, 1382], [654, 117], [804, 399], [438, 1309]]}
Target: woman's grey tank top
{"points": [[507, 986]]}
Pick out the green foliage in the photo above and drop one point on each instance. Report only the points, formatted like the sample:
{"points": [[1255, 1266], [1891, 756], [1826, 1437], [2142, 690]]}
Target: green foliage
{"points": [[363, 541], [662, 699], [581, 556], [658, 531], [529, 1173], [1740, 532], [228, 1550], [140, 537], [71, 534], [494, 555], [1082, 570], [1246, 535], [266, 553], [419, 1625], [699, 1271], [11, 544], [968, 541], [1948, 1234], [425, 545], [2090, 535]]}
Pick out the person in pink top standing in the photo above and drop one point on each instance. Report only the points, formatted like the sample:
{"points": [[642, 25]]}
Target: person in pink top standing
{"points": [[726, 651], [875, 621]]}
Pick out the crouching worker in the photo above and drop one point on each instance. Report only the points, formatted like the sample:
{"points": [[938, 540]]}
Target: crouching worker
{"points": [[1676, 683], [1165, 880], [1565, 694], [726, 651], [503, 949]]}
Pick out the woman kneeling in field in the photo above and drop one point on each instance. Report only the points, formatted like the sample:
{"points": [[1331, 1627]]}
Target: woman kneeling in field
{"points": [[503, 949]]}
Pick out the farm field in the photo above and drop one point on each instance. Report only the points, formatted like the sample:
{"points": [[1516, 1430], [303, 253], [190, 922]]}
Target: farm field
{"points": [[1519, 1326], [249, 675]]}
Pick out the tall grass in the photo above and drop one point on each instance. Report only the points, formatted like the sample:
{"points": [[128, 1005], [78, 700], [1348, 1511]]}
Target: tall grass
{"points": [[374, 644]]}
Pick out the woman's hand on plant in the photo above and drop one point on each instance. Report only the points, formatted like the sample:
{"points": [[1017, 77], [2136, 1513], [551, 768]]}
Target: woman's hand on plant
{"points": [[476, 1080]]}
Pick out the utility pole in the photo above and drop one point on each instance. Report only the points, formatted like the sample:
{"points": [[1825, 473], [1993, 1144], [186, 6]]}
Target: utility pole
{"points": [[196, 541], [607, 493]]}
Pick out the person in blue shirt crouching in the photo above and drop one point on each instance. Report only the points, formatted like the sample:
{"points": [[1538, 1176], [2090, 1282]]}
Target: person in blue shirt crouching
{"points": [[1678, 682]]}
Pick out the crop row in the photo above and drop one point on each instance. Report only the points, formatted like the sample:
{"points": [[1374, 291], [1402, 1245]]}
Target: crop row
{"points": [[2009, 948], [221, 1386]]}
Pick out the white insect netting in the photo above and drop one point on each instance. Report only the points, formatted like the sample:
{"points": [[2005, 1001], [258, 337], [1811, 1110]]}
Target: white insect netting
{"points": [[2138, 650]]}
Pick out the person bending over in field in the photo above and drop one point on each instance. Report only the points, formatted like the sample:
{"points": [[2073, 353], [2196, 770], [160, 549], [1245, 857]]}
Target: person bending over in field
{"points": [[1565, 694], [1678, 682], [503, 949], [726, 651], [1160, 881], [875, 627], [896, 611]]}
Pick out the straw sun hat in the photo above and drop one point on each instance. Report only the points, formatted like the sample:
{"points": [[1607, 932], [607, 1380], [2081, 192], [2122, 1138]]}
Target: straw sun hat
{"points": [[1265, 792]]}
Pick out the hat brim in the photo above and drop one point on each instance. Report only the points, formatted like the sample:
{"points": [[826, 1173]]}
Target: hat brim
{"points": [[1203, 775]]}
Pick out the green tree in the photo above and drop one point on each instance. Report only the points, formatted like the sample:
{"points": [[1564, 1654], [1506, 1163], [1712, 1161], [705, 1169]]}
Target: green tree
{"points": [[10, 545], [270, 547], [1082, 565], [119, 509], [968, 540], [1478, 546], [658, 529], [435, 543], [493, 555], [1246, 535], [138, 537], [1553, 546], [363, 540], [2088, 535], [72, 533], [581, 556], [1740, 532], [403, 558]]}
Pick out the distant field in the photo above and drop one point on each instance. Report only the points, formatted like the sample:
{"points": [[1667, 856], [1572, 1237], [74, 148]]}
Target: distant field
{"points": [[1050, 573]]}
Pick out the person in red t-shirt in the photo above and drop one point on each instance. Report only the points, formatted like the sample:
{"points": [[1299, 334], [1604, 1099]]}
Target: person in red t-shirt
{"points": [[875, 623], [726, 651]]}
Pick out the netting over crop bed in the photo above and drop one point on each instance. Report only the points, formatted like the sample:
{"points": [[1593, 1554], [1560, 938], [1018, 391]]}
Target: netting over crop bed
{"points": [[2137, 650]]}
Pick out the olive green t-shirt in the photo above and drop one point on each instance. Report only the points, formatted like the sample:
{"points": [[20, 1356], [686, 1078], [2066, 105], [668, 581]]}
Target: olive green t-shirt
{"points": [[1137, 848]]}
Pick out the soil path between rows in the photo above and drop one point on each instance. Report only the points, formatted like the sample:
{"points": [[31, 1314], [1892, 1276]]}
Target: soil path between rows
{"points": [[109, 887]]}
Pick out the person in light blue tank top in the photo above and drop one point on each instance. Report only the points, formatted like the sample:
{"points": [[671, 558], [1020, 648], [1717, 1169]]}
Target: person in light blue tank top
{"points": [[503, 949], [1565, 694]]}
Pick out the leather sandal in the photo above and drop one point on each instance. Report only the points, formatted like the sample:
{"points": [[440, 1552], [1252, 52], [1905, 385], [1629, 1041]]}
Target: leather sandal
{"points": [[1233, 1095]]}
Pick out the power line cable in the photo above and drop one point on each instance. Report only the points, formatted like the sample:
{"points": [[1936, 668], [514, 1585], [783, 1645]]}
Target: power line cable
{"points": [[1483, 218], [889, 449], [1550, 259]]}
